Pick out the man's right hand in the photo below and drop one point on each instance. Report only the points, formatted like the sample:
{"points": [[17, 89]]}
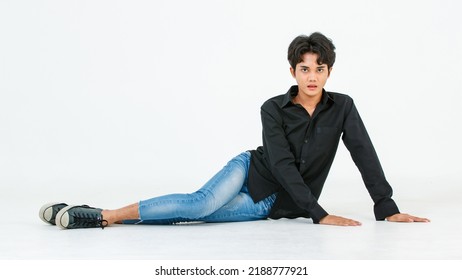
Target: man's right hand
{"points": [[338, 221]]}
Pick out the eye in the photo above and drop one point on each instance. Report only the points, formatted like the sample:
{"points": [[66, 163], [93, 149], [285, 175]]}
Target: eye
{"points": [[304, 70], [320, 70]]}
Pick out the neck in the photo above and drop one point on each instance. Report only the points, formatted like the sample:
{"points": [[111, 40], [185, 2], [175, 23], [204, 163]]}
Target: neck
{"points": [[307, 101]]}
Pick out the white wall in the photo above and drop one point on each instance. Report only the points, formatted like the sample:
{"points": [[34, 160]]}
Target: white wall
{"points": [[148, 97]]}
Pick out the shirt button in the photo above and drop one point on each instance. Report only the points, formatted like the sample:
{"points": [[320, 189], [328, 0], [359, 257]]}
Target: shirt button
{"points": [[306, 141], [303, 161]]}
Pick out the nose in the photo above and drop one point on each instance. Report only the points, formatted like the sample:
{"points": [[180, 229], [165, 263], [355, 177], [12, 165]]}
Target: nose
{"points": [[312, 77]]}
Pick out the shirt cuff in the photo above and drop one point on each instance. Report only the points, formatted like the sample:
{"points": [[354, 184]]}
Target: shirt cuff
{"points": [[385, 208], [317, 213]]}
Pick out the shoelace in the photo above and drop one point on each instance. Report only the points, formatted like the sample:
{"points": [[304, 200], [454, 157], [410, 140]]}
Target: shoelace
{"points": [[87, 220], [103, 223]]}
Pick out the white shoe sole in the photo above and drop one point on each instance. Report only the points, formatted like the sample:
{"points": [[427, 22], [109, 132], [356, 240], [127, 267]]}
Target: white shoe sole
{"points": [[62, 218], [46, 211]]}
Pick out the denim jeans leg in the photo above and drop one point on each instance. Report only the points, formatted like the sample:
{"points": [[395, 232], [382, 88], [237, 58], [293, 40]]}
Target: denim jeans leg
{"points": [[217, 192], [242, 208]]}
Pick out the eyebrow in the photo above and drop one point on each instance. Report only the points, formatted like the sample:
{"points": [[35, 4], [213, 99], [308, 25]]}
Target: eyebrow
{"points": [[320, 66]]}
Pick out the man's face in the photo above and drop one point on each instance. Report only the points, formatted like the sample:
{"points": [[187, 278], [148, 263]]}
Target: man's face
{"points": [[310, 76]]}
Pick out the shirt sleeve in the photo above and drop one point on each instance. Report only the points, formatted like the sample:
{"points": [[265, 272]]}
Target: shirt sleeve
{"points": [[283, 167], [359, 144]]}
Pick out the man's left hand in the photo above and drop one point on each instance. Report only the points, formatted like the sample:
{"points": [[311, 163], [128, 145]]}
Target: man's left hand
{"points": [[406, 218]]}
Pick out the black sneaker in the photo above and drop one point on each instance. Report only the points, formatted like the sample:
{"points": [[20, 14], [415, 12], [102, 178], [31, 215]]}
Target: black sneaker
{"points": [[80, 216], [48, 212]]}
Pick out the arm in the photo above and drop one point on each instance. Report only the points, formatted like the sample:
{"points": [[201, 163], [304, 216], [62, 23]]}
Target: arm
{"points": [[357, 141], [363, 153]]}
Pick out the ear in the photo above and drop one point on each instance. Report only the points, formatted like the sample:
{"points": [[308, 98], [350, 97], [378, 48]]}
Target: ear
{"points": [[292, 71]]}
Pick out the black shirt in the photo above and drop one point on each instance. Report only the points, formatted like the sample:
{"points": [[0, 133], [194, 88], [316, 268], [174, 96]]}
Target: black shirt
{"points": [[298, 151]]}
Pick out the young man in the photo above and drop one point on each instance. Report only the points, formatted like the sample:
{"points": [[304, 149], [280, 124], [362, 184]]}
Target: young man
{"points": [[281, 179]]}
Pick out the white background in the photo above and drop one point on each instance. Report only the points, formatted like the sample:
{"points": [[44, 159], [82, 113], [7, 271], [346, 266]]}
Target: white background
{"points": [[109, 102], [156, 96]]}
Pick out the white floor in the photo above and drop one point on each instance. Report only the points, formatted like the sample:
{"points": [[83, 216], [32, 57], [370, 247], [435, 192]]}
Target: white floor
{"points": [[24, 236]]}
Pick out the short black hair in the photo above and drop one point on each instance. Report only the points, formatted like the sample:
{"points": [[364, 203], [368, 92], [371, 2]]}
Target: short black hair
{"points": [[316, 43]]}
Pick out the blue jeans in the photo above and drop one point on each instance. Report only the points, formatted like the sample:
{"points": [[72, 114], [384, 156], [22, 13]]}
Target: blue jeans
{"points": [[224, 198]]}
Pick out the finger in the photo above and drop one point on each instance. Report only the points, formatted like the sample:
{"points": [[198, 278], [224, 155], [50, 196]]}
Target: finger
{"points": [[410, 219], [349, 222], [421, 220], [406, 219], [339, 221]]}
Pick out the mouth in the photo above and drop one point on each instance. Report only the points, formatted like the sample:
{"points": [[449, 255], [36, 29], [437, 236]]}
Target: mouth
{"points": [[312, 87]]}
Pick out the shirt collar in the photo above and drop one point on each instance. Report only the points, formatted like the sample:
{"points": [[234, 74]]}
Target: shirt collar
{"points": [[293, 91]]}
